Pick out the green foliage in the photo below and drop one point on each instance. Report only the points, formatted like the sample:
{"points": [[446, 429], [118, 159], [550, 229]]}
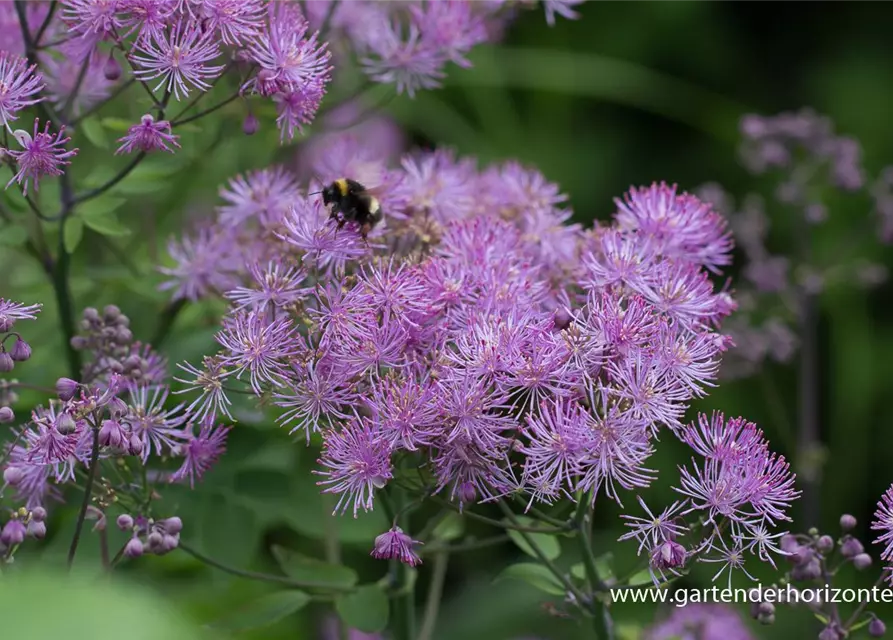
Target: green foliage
{"points": [[533, 574], [263, 612], [303, 568], [547, 543], [366, 609]]}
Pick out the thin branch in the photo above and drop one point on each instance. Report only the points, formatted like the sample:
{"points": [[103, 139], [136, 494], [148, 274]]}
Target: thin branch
{"points": [[46, 23], [201, 114], [263, 577], [435, 593], [123, 173], [514, 526], [88, 490]]}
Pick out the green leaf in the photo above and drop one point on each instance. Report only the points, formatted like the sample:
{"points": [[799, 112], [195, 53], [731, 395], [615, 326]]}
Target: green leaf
{"points": [[228, 530], [100, 207], [547, 543], [116, 124], [107, 226], [74, 231], [366, 609], [450, 528], [533, 574], [13, 235], [603, 567], [86, 608], [300, 567], [92, 128], [263, 611], [641, 577]]}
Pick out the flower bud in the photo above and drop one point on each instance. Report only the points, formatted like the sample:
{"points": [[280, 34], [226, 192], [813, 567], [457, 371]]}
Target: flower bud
{"points": [[862, 561], [172, 525], [124, 522], [6, 362], [91, 315], [668, 555], [766, 608], [168, 544], [123, 335], [134, 445], [66, 388], [111, 69], [21, 351], [825, 544], [810, 570], [847, 522], [154, 541], [36, 530], [111, 313], [877, 628], [111, 434], [13, 475], [766, 619], [38, 514], [13, 533], [117, 408], [65, 424], [851, 547], [78, 343], [134, 548], [250, 125], [830, 633], [6, 415], [6, 324]]}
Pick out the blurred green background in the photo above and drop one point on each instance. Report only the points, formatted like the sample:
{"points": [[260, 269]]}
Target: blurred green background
{"points": [[631, 93]]}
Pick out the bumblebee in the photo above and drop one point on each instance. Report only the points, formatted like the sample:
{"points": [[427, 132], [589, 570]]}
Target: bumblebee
{"points": [[352, 202]]}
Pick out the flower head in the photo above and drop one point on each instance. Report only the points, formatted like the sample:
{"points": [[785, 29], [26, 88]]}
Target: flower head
{"points": [[394, 544], [148, 135], [42, 154], [19, 84], [200, 451]]}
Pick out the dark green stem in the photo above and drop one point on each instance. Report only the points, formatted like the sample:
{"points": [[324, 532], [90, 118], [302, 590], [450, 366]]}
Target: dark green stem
{"points": [[514, 526], [61, 285], [404, 604], [166, 321], [601, 621], [435, 593], [88, 491], [123, 173], [262, 577], [554, 570]]}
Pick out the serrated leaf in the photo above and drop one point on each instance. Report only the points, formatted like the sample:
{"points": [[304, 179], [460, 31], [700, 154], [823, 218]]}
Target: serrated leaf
{"points": [[74, 231], [92, 128], [547, 543], [450, 528], [366, 609], [303, 568], [534, 574], [263, 612], [13, 235]]}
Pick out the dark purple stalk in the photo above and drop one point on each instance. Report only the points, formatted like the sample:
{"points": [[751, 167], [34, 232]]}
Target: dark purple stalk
{"points": [[88, 491]]}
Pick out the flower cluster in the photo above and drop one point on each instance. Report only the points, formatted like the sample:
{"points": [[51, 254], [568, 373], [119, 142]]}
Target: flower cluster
{"points": [[479, 345], [733, 498], [117, 412], [12, 352]]}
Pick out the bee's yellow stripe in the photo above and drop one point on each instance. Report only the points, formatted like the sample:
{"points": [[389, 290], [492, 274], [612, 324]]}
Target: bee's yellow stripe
{"points": [[341, 184]]}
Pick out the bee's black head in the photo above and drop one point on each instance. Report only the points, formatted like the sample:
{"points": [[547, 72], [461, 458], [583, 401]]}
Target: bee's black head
{"points": [[330, 194]]}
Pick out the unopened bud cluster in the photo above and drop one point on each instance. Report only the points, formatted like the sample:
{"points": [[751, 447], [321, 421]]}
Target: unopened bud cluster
{"points": [[156, 537], [108, 337], [13, 349], [23, 523]]}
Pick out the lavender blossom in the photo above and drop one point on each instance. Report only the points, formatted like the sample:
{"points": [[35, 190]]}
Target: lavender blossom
{"points": [[19, 84], [148, 135], [397, 545], [42, 154]]}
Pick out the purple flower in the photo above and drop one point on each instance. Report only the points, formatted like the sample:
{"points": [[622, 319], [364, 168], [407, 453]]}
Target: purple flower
{"points": [[151, 423], [289, 60], [200, 451], [563, 8], [405, 412], [213, 400], [148, 18], [394, 544], [256, 343], [260, 196], [356, 462], [407, 63], [19, 83], [63, 78], [883, 522], [205, 262], [653, 531], [275, 286], [91, 21], [148, 135], [316, 390], [450, 27], [700, 622], [11, 311], [296, 108], [181, 59], [235, 20], [42, 154]]}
